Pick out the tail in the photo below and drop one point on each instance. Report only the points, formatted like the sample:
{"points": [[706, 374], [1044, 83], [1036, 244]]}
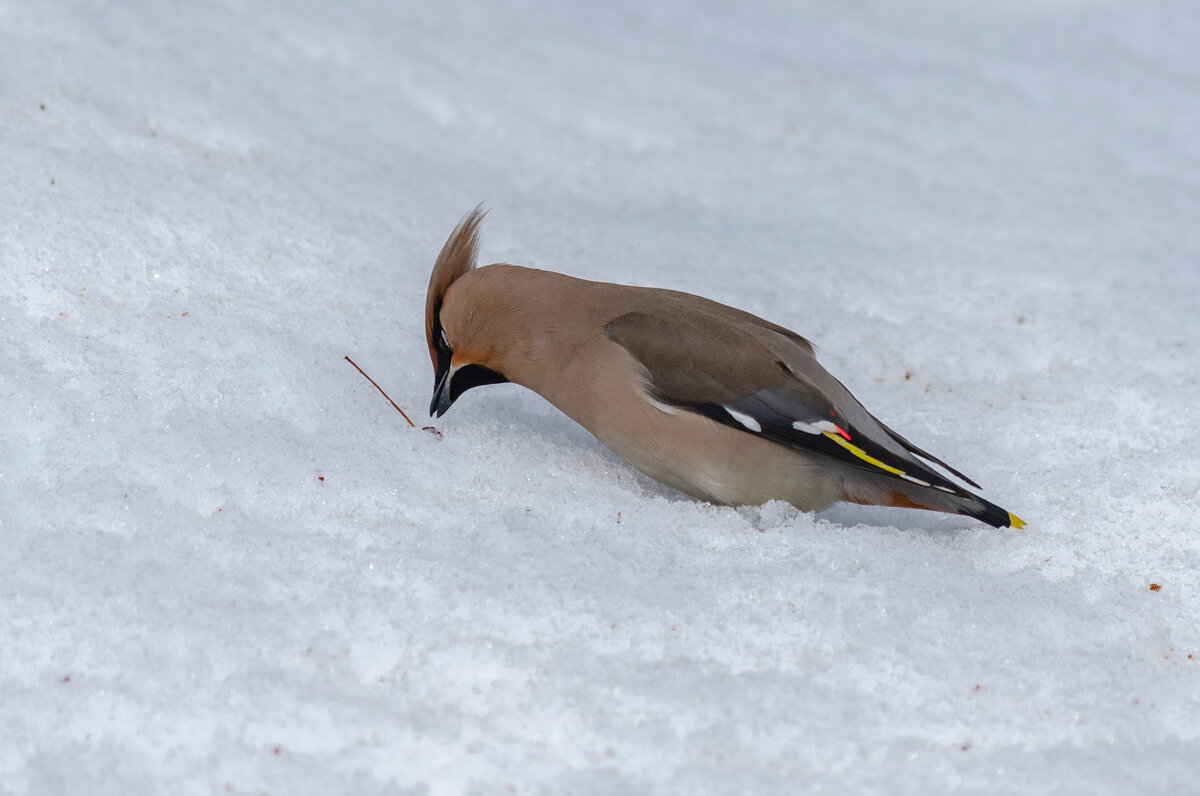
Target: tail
{"points": [[881, 490]]}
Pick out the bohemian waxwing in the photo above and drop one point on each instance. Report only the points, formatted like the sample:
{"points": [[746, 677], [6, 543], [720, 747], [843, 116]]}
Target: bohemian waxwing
{"points": [[705, 398]]}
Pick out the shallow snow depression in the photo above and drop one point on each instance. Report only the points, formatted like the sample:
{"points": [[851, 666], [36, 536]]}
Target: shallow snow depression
{"points": [[228, 564]]}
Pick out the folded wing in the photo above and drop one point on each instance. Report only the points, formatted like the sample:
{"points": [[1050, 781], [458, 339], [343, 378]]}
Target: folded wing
{"points": [[764, 380]]}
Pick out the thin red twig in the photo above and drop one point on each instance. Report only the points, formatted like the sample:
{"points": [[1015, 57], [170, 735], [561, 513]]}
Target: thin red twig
{"points": [[385, 395]]}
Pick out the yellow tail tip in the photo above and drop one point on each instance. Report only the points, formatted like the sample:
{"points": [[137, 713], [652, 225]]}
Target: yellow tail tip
{"points": [[1015, 521]]}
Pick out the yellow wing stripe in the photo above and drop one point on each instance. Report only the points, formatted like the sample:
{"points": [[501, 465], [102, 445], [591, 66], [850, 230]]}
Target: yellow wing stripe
{"points": [[860, 453]]}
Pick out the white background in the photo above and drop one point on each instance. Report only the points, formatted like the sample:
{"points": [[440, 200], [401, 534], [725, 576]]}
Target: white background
{"points": [[985, 216]]}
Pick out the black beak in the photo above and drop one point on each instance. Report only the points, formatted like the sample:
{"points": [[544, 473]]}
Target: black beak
{"points": [[441, 392]]}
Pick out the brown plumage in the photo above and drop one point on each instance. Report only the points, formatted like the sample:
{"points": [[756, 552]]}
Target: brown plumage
{"points": [[708, 399]]}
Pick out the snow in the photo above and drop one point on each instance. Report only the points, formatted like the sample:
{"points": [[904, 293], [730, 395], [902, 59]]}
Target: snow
{"points": [[230, 566]]}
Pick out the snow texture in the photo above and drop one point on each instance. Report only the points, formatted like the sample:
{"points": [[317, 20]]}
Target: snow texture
{"points": [[228, 565]]}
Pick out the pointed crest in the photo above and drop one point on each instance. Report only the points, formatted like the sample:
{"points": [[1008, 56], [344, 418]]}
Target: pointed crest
{"points": [[457, 257]]}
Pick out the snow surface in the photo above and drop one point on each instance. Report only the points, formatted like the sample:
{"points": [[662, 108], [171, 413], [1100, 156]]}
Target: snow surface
{"points": [[228, 565]]}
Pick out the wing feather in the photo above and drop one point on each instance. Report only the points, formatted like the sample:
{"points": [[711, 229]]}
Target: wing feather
{"points": [[758, 380]]}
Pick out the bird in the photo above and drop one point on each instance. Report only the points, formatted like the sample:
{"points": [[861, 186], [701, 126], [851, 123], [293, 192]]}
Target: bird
{"points": [[705, 398]]}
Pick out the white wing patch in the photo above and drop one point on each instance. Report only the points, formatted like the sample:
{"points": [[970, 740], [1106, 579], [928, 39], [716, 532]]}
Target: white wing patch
{"points": [[666, 409], [820, 427], [745, 419]]}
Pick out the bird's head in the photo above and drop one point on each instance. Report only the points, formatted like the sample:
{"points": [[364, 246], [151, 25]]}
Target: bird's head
{"points": [[460, 345]]}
